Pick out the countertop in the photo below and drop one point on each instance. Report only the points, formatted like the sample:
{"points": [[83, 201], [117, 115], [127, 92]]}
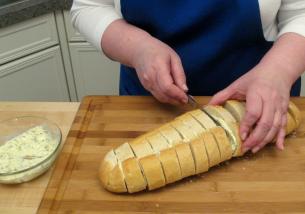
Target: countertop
{"points": [[25, 198], [14, 11]]}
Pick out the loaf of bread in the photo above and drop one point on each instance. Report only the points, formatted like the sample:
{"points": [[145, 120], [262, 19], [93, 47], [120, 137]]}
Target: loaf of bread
{"points": [[190, 144]]}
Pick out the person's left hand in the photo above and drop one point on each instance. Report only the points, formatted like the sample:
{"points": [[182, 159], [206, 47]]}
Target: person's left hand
{"points": [[266, 90]]}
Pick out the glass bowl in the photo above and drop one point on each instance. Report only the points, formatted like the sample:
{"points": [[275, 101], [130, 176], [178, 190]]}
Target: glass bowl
{"points": [[28, 148]]}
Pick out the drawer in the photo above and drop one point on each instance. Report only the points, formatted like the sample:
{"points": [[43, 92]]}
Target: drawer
{"points": [[37, 77], [27, 37], [72, 34]]}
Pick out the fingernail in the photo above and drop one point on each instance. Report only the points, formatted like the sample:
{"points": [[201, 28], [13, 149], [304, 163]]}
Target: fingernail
{"points": [[255, 149], [244, 136], [184, 87]]}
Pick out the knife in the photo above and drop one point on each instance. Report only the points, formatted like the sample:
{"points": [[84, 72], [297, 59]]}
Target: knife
{"points": [[192, 102]]}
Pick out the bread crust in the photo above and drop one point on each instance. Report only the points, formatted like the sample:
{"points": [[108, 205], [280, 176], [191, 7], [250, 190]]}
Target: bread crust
{"points": [[234, 127], [123, 152], [171, 135], [141, 147], [190, 122], [170, 164], [221, 112], [291, 124], [186, 161], [211, 148], [134, 179], [110, 175], [200, 155], [295, 113], [157, 142], [202, 118], [223, 143], [153, 172], [236, 108], [187, 134]]}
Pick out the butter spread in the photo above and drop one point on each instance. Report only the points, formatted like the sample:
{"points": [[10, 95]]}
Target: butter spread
{"points": [[26, 150]]}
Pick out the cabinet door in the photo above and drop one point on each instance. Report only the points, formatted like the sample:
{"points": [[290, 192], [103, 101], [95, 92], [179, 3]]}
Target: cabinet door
{"points": [[72, 34], [37, 77], [27, 37], [94, 73]]}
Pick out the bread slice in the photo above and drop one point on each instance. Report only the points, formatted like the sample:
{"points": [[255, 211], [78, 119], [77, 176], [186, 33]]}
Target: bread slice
{"points": [[231, 128], [141, 147], [291, 124], [197, 145], [236, 108], [170, 164], [190, 122], [157, 141], [295, 113], [187, 134], [204, 120], [186, 161], [123, 152], [133, 175], [200, 155], [211, 149], [130, 168], [110, 175], [152, 171], [223, 143], [221, 112], [171, 135], [167, 157]]}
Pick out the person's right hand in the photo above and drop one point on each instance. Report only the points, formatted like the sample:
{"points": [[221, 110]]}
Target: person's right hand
{"points": [[160, 71]]}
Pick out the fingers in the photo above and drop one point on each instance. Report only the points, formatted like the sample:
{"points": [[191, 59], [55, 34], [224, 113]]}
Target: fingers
{"points": [[254, 108], [161, 82], [272, 133], [282, 132], [165, 85], [281, 135], [222, 96], [263, 126], [178, 74]]}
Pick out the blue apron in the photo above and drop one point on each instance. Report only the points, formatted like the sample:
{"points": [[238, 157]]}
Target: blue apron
{"points": [[217, 40]]}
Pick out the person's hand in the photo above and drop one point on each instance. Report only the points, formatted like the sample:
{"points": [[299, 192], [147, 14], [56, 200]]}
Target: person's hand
{"points": [[266, 91], [160, 71]]}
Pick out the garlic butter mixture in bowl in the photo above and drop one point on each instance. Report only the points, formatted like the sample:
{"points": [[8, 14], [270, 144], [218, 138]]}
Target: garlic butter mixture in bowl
{"points": [[28, 147]]}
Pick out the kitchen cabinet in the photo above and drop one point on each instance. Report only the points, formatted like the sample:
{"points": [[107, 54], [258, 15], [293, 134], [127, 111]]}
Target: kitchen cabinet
{"points": [[37, 77], [27, 37], [94, 73], [45, 59], [72, 34]]}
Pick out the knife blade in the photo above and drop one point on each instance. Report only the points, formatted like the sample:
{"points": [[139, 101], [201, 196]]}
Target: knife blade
{"points": [[192, 102]]}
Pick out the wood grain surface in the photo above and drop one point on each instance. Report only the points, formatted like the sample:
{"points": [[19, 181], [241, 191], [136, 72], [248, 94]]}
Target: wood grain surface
{"points": [[271, 181], [25, 198]]}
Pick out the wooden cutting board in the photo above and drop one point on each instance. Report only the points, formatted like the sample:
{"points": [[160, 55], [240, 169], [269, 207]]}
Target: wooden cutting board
{"points": [[270, 181]]}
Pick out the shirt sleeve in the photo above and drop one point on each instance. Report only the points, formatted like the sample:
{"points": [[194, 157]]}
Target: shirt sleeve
{"points": [[92, 17], [291, 17]]}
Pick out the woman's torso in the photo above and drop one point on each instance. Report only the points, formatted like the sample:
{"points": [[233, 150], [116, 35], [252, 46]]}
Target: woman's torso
{"points": [[217, 40]]}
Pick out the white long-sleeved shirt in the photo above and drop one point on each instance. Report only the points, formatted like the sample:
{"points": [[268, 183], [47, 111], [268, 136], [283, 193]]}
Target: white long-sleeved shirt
{"points": [[92, 17]]}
